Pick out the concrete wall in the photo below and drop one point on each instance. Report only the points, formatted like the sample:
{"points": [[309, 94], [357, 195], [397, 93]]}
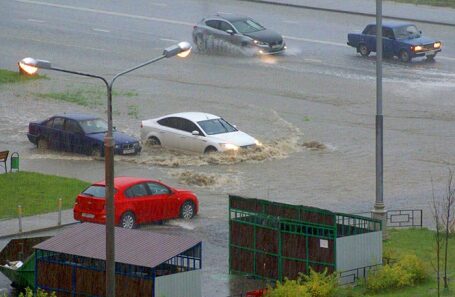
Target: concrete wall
{"points": [[358, 251], [183, 284]]}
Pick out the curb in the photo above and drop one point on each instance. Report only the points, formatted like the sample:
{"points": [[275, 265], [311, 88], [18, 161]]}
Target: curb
{"points": [[36, 231], [348, 12]]}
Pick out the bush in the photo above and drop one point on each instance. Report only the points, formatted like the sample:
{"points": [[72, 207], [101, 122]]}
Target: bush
{"points": [[321, 284], [314, 285], [290, 288], [408, 271]]}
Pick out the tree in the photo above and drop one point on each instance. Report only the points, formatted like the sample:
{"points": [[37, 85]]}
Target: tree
{"points": [[448, 220]]}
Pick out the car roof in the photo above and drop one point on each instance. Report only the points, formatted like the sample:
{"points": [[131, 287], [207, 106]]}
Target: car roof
{"points": [[229, 17], [194, 116], [122, 182], [392, 24], [77, 116]]}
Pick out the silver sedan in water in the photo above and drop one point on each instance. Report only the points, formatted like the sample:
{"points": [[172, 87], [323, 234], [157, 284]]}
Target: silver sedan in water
{"points": [[195, 131]]}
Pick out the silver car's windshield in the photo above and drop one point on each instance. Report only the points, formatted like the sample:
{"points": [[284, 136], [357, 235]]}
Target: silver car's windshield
{"points": [[93, 126], [407, 31], [247, 26], [216, 126]]}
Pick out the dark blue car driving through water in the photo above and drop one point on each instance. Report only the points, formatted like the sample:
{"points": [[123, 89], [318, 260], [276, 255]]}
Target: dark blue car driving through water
{"points": [[79, 133]]}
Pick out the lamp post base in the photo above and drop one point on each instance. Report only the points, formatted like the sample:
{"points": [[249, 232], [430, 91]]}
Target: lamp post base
{"points": [[380, 213]]}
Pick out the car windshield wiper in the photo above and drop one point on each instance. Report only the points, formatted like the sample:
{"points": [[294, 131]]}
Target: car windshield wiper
{"points": [[88, 194]]}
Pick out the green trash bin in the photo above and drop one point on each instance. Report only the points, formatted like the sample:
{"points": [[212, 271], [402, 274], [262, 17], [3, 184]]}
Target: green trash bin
{"points": [[14, 161]]}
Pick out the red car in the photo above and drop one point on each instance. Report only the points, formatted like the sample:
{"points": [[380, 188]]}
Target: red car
{"points": [[137, 201]]}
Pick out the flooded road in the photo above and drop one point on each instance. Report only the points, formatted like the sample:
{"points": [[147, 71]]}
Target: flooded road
{"points": [[313, 108]]}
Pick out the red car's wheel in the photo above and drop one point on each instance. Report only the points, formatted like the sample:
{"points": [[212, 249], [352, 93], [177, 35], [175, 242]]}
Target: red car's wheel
{"points": [[128, 220], [187, 210]]}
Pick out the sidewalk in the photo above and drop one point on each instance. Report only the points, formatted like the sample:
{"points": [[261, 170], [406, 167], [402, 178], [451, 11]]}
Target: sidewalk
{"points": [[390, 9], [10, 228]]}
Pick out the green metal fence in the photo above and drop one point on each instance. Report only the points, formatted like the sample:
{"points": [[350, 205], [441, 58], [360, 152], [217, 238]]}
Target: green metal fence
{"points": [[272, 240]]}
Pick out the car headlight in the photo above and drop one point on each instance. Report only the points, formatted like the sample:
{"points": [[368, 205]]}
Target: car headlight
{"points": [[117, 146], [229, 146], [258, 143], [257, 42], [437, 44], [418, 48]]}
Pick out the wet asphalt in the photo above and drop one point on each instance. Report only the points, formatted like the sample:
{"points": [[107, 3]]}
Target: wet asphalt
{"points": [[320, 90]]}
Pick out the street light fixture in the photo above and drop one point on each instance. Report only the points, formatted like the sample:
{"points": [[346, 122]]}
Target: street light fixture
{"points": [[30, 66]]}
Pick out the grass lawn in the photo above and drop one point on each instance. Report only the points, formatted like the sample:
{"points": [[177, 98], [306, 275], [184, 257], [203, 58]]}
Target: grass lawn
{"points": [[7, 77], [421, 243], [37, 193], [86, 96], [446, 3]]}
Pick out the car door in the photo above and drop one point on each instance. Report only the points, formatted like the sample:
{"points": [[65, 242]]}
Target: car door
{"points": [[161, 202], [55, 134], [212, 33], [137, 200], [228, 33], [388, 41], [73, 137], [170, 132], [195, 143], [370, 38]]}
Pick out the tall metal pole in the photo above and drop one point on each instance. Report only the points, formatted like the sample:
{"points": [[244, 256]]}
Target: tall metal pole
{"points": [[109, 180], [379, 211]]}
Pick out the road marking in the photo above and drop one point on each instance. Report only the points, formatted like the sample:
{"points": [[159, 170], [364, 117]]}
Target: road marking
{"points": [[167, 39], [35, 21], [315, 41], [291, 22], [100, 30], [133, 16], [313, 60]]}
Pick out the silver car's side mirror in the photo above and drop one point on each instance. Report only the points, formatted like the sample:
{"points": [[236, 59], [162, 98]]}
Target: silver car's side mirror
{"points": [[230, 31], [195, 133]]}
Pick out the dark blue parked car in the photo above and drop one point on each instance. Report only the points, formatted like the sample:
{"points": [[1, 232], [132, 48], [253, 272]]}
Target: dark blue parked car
{"points": [[402, 40], [79, 133]]}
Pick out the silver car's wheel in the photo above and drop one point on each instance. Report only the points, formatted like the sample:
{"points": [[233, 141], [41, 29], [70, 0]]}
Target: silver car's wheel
{"points": [[128, 221], [210, 149], [154, 141], [187, 210]]}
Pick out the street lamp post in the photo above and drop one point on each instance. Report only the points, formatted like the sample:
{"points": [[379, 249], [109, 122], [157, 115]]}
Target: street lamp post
{"points": [[379, 211], [30, 66]]}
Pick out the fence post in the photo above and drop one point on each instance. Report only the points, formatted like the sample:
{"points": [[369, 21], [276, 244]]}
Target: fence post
{"points": [[59, 222], [19, 216]]}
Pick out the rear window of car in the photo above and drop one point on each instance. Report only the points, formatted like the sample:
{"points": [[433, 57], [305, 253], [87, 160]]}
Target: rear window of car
{"points": [[95, 191]]}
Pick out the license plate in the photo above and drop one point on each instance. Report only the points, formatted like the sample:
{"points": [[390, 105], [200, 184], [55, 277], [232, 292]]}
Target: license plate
{"points": [[430, 53], [88, 215], [128, 151], [276, 46]]}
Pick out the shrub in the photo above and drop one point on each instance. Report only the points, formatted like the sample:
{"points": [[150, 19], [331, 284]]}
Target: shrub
{"points": [[39, 293], [320, 284], [314, 285], [408, 271], [290, 288]]}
